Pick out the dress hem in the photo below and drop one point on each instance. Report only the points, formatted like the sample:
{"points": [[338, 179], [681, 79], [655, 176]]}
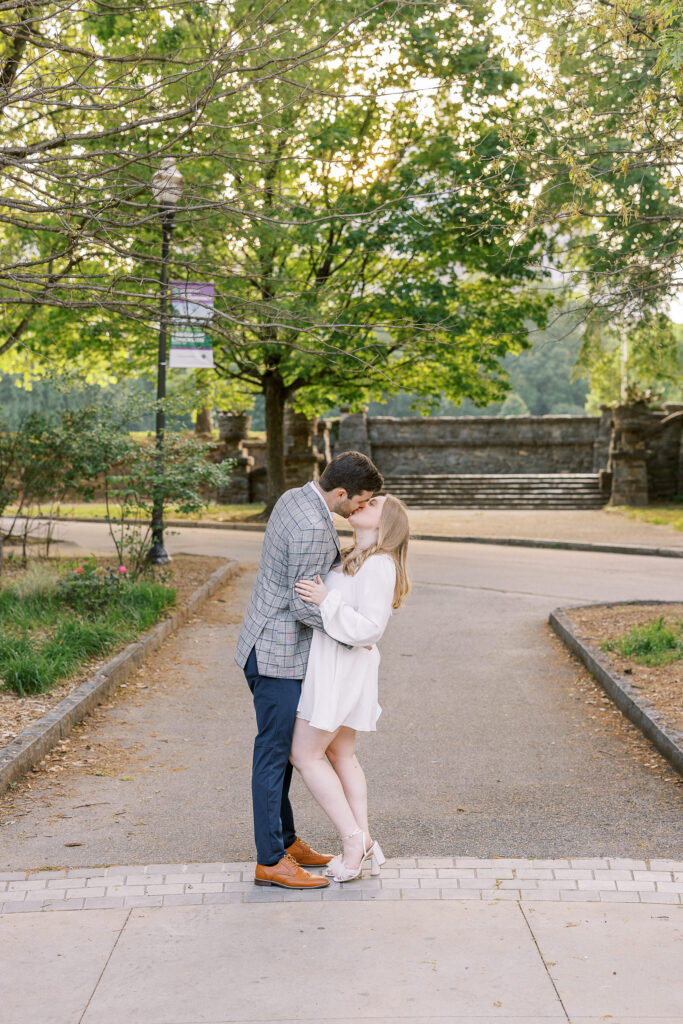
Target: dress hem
{"points": [[323, 729]]}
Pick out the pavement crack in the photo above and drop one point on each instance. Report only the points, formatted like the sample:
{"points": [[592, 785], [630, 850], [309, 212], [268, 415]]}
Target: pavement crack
{"points": [[502, 590], [107, 962], [538, 948]]}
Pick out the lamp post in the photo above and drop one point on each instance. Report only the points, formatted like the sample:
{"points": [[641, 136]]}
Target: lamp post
{"points": [[167, 187]]}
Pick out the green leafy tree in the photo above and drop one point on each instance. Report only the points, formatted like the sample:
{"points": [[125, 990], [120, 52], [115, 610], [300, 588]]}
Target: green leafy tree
{"points": [[546, 376], [342, 165], [380, 263], [92, 98], [45, 459], [130, 481], [601, 131], [645, 365]]}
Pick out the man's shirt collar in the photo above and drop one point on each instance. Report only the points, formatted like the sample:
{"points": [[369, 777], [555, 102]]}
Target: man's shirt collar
{"points": [[326, 506]]}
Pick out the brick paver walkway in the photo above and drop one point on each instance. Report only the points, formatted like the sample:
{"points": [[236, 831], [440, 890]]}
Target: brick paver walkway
{"points": [[608, 880]]}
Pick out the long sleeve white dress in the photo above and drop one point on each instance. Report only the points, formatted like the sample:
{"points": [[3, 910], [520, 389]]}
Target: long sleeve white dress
{"points": [[340, 686]]}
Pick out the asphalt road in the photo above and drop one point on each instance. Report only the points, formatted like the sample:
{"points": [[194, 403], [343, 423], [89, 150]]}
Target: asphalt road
{"points": [[492, 741]]}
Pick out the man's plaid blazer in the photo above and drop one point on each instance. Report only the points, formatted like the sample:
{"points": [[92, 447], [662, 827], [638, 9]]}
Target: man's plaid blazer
{"points": [[300, 542]]}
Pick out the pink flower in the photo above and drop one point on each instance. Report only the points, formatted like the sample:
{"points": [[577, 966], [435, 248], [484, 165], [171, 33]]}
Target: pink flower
{"points": [[80, 570], [122, 569]]}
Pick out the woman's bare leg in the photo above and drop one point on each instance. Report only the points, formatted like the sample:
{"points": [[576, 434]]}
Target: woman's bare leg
{"points": [[308, 757], [342, 755]]}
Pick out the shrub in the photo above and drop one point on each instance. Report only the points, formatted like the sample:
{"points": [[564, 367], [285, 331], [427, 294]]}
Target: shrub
{"points": [[131, 486], [89, 588], [49, 457], [655, 643]]}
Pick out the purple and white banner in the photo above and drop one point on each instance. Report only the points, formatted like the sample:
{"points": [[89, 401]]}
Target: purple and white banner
{"points": [[191, 312]]}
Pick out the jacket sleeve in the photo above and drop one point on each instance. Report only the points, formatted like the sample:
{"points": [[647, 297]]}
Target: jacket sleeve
{"points": [[307, 551], [375, 594]]}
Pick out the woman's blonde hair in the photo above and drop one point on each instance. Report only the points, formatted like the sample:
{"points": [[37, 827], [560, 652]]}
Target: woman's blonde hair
{"points": [[392, 539]]}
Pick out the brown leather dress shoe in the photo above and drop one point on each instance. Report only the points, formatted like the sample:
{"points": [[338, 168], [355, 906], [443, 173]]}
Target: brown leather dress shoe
{"points": [[302, 853], [288, 875]]}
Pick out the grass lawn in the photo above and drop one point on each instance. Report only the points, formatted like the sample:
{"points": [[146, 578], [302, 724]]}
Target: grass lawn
{"points": [[54, 620], [660, 515], [213, 514]]}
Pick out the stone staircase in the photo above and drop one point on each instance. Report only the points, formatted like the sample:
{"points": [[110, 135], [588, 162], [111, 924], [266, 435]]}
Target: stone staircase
{"points": [[497, 491]]}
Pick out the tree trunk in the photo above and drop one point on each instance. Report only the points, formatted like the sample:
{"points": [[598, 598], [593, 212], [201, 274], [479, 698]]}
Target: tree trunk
{"points": [[202, 423], [275, 394]]}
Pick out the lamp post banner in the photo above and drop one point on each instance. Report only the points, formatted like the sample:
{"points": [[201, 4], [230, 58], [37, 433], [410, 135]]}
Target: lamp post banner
{"points": [[191, 312]]}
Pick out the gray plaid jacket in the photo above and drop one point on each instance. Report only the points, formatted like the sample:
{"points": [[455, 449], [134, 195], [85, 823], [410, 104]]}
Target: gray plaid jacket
{"points": [[300, 541]]}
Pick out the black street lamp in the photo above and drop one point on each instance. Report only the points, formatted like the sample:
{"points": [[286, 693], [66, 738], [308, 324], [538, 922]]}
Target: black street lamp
{"points": [[167, 187]]}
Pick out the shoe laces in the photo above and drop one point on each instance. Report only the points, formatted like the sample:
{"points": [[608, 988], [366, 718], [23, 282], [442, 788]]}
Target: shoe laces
{"points": [[288, 856]]}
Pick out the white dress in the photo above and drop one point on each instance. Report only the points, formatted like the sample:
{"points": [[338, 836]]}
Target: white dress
{"points": [[340, 687]]}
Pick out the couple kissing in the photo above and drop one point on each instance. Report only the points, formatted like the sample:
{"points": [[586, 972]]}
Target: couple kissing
{"points": [[307, 646]]}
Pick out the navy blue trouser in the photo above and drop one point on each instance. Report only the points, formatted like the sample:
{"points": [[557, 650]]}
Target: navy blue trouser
{"points": [[275, 703]]}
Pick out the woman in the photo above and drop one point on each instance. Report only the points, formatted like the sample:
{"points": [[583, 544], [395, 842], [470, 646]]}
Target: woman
{"points": [[339, 692]]}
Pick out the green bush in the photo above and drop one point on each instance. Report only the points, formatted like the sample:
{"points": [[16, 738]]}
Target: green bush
{"points": [[90, 588], [50, 457], [656, 643]]}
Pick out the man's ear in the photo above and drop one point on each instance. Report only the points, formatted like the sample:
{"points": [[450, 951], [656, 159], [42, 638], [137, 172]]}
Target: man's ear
{"points": [[341, 494]]}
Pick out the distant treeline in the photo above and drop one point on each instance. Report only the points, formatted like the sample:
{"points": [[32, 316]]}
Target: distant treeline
{"points": [[541, 380], [52, 396], [541, 384]]}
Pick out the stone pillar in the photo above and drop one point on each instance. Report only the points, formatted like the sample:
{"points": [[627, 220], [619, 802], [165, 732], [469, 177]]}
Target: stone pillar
{"points": [[603, 438], [353, 434], [322, 443], [601, 451], [233, 429], [669, 408], [628, 458], [302, 461]]}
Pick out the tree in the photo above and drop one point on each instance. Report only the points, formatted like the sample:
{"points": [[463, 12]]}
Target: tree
{"points": [[545, 376], [644, 365], [337, 160], [601, 131], [379, 264], [92, 97]]}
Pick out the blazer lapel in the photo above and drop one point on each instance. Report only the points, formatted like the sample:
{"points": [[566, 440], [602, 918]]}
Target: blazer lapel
{"points": [[335, 538], [317, 504]]}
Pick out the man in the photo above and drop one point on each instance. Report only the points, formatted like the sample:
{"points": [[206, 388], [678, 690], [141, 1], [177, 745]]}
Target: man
{"points": [[273, 645]]}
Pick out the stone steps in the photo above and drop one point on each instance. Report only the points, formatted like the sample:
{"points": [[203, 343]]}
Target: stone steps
{"points": [[488, 490]]}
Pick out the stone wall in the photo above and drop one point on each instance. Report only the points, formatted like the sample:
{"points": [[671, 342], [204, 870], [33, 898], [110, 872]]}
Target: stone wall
{"points": [[467, 444], [477, 444], [664, 454], [511, 444]]}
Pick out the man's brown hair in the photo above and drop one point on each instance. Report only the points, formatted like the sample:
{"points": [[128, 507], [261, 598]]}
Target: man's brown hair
{"points": [[354, 472]]}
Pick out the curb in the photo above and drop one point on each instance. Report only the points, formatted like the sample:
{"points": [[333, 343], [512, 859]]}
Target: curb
{"points": [[521, 542], [31, 745], [639, 710], [562, 545]]}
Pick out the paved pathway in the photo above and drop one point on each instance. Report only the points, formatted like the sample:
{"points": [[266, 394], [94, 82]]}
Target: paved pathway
{"points": [[473, 956], [492, 741], [511, 755], [592, 526]]}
